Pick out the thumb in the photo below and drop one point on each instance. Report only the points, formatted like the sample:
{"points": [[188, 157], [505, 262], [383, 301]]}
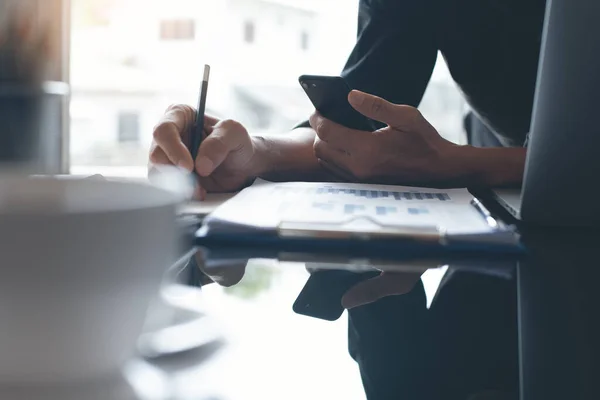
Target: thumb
{"points": [[378, 109], [384, 285], [365, 292], [214, 150]]}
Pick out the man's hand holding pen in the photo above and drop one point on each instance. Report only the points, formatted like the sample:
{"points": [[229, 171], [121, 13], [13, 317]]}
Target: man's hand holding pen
{"points": [[218, 153], [225, 159]]}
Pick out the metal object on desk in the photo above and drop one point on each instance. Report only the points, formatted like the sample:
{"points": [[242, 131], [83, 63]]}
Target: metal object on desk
{"points": [[31, 130], [31, 107]]}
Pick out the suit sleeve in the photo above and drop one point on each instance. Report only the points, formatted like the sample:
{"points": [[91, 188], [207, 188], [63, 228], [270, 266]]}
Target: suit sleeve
{"points": [[395, 51]]}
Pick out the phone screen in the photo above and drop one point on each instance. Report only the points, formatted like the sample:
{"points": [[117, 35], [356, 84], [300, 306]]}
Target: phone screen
{"points": [[329, 95]]}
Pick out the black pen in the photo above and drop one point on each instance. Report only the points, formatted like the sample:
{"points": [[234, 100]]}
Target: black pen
{"points": [[197, 131]]}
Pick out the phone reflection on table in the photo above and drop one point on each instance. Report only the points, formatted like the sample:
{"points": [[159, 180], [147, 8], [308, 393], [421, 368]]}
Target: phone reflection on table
{"points": [[337, 282]]}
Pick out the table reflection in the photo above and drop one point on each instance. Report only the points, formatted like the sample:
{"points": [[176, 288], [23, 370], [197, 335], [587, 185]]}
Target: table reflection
{"points": [[479, 325], [405, 327], [559, 318]]}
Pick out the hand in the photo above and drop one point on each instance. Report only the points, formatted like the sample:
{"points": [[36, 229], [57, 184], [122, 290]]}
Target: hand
{"points": [[408, 151], [384, 285], [225, 159], [226, 275]]}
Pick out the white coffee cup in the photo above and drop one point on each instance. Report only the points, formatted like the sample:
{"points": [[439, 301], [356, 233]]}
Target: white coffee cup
{"points": [[80, 260]]}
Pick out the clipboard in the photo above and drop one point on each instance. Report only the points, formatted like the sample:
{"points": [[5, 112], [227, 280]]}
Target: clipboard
{"points": [[357, 231], [356, 245]]}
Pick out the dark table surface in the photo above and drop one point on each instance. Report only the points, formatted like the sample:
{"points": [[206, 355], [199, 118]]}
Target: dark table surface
{"points": [[543, 306]]}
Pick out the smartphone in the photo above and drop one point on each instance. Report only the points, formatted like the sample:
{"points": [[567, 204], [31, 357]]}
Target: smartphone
{"points": [[322, 294], [329, 95]]}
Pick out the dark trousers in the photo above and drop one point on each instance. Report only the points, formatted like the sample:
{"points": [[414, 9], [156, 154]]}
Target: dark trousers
{"points": [[464, 344]]}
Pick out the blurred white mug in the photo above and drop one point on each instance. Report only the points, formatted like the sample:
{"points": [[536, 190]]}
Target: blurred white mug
{"points": [[80, 260]]}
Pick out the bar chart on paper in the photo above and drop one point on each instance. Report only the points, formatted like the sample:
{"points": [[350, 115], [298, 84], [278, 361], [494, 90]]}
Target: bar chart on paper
{"points": [[305, 209], [382, 205], [340, 191]]}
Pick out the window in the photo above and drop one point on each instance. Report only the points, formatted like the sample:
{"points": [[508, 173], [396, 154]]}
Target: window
{"points": [[124, 82], [129, 127], [249, 32], [304, 40], [281, 19], [184, 29]]}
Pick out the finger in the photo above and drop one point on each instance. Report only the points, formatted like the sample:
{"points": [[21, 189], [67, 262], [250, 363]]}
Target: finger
{"points": [[158, 156], [365, 292], [226, 137], [331, 155], [209, 126], [198, 194], [167, 138], [381, 110], [384, 285], [183, 117], [209, 122], [335, 134], [171, 133]]}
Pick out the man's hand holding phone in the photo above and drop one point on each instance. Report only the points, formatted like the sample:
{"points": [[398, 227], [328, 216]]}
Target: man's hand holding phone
{"points": [[379, 287], [361, 137], [328, 292], [407, 151]]}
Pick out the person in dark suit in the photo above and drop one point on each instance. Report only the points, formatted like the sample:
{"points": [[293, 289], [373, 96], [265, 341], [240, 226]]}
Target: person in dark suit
{"points": [[492, 50]]}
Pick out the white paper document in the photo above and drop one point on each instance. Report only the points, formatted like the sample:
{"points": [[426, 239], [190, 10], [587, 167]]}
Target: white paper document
{"points": [[356, 207], [211, 202], [205, 207]]}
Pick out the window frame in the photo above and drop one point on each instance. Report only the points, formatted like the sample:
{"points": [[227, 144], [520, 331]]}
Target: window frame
{"points": [[59, 12]]}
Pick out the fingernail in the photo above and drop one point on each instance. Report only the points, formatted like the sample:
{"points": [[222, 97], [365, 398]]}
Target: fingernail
{"points": [[355, 98], [204, 166], [184, 165]]}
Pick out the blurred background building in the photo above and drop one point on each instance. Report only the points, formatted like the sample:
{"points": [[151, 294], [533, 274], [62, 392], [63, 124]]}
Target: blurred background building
{"points": [[130, 59]]}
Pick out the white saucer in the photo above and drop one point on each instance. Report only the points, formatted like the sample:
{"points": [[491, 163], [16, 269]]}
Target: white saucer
{"points": [[115, 388], [176, 323]]}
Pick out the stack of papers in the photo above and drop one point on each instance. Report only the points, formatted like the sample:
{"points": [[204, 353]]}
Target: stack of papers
{"points": [[312, 209]]}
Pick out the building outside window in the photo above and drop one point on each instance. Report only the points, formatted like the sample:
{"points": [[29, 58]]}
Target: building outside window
{"points": [[145, 61], [181, 29], [304, 40], [249, 32], [129, 127]]}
